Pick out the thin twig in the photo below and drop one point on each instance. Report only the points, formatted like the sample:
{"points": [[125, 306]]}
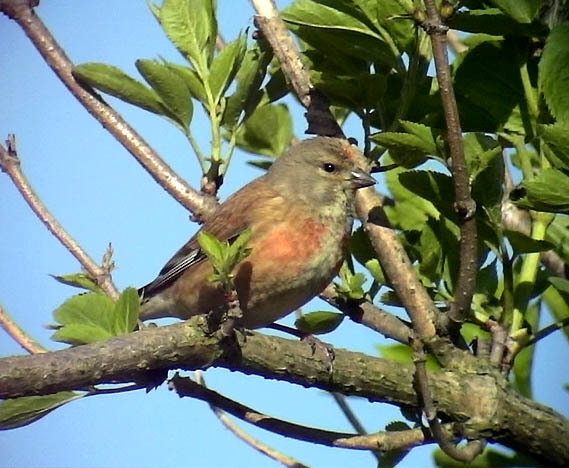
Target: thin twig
{"points": [[10, 163], [464, 204], [19, 335], [464, 453], [20, 11], [265, 449], [352, 418], [541, 334], [466, 209], [384, 441]]}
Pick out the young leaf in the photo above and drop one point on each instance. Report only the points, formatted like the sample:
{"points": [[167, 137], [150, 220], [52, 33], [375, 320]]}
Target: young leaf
{"points": [[22, 411], [267, 131], [547, 191], [114, 81], [249, 79], [432, 186], [170, 87], [237, 250], [351, 286], [554, 72], [225, 66], [557, 138], [524, 244], [488, 88], [214, 249], [126, 312], [561, 284], [191, 26], [404, 354], [192, 80], [319, 323], [523, 11], [321, 25], [85, 318], [78, 280]]}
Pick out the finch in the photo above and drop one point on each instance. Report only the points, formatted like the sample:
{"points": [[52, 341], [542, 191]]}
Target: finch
{"points": [[300, 215]]}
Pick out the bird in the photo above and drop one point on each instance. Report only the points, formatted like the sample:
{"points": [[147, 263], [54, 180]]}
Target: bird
{"points": [[300, 215]]}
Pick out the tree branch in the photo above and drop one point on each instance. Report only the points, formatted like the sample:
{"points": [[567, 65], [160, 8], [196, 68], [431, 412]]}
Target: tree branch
{"points": [[21, 12], [241, 434], [465, 205], [483, 402], [19, 335], [10, 163], [370, 316]]}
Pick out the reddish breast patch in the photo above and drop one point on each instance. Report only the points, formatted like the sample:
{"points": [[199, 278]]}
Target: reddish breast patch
{"points": [[297, 244]]}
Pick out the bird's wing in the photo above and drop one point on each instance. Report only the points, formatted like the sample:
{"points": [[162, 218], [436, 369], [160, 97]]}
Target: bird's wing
{"points": [[230, 220]]}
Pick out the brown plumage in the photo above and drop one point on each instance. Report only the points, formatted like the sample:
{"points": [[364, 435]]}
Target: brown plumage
{"points": [[300, 216]]}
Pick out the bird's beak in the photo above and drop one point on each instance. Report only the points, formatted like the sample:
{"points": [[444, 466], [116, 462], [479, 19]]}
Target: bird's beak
{"points": [[361, 179]]}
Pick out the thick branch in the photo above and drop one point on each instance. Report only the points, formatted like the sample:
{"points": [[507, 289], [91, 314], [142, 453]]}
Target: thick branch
{"points": [[21, 12], [483, 402], [465, 205]]}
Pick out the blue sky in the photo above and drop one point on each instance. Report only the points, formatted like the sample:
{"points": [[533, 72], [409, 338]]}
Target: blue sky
{"points": [[101, 195]]}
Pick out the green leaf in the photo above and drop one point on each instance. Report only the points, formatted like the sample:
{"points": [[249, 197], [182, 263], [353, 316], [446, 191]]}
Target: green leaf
{"points": [[554, 72], [561, 284], [432, 186], [486, 166], [192, 27], [488, 88], [114, 81], [78, 280], [351, 286], [225, 66], [557, 138], [480, 151], [267, 131], [558, 234], [409, 149], [547, 191], [430, 249], [238, 250], [558, 305], [192, 80], [214, 249], [85, 318], [523, 11], [170, 87], [22, 411], [409, 212], [321, 25], [404, 354], [490, 21], [319, 323], [363, 252], [126, 312], [249, 79], [523, 244]]}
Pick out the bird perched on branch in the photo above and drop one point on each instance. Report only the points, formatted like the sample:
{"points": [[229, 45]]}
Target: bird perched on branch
{"points": [[300, 218]]}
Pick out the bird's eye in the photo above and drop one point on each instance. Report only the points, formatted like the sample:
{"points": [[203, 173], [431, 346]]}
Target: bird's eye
{"points": [[329, 167]]}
